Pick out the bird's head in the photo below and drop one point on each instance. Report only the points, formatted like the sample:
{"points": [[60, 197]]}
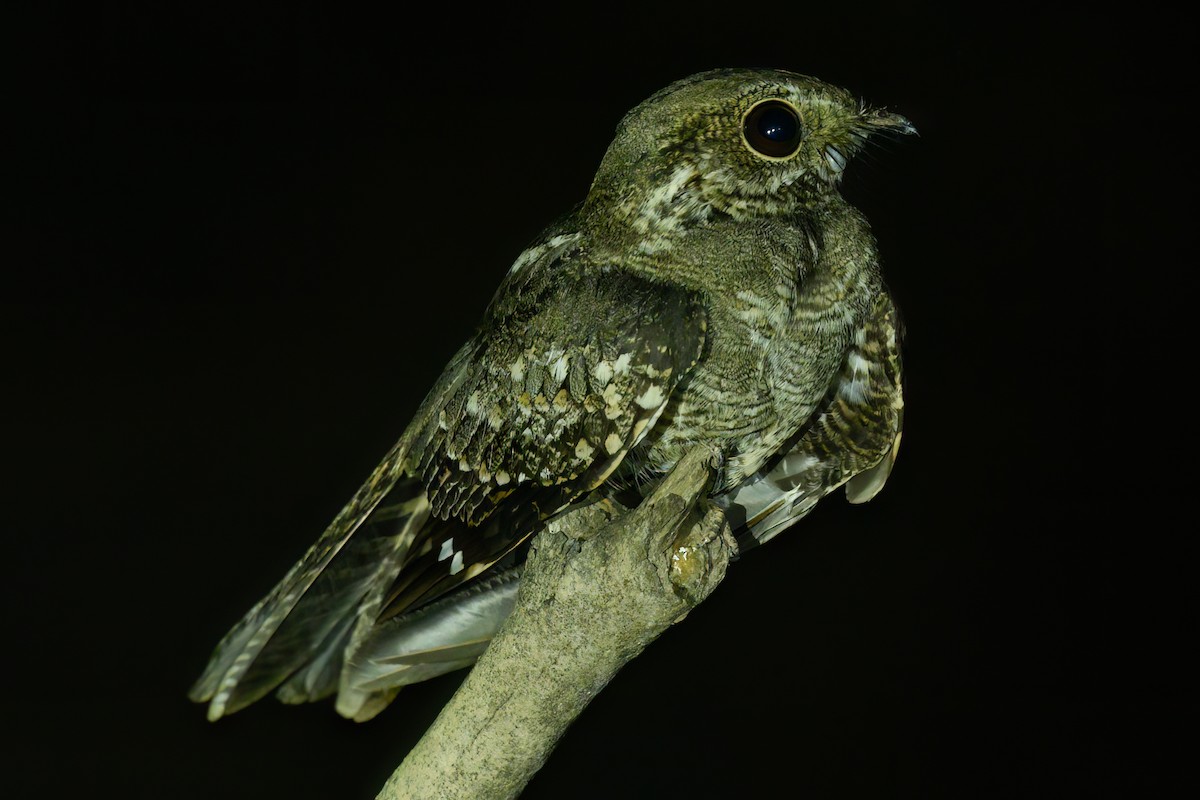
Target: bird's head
{"points": [[742, 143]]}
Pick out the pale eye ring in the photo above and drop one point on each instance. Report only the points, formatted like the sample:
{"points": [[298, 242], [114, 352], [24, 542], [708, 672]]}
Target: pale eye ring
{"points": [[772, 128]]}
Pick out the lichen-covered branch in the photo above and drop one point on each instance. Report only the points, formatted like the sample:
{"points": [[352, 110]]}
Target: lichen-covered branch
{"points": [[600, 584]]}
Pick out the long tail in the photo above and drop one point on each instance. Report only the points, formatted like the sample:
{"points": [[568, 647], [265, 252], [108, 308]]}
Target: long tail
{"points": [[299, 629]]}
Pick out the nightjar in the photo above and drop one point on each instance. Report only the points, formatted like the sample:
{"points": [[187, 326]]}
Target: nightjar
{"points": [[714, 287]]}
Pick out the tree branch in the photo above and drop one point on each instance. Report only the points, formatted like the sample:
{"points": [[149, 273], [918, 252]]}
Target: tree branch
{"points": [[600, 584]]}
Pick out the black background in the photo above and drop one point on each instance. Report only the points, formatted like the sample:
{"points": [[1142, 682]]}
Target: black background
{"points": [[248, 240]]}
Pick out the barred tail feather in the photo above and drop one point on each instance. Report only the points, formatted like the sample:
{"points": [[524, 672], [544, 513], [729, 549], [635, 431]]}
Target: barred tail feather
{"points": [[360, 599], [303, 617], [318, 679]]}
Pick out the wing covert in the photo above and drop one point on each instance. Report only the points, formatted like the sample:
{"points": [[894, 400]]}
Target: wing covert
{"points": [[570, 372], [570, 369]]}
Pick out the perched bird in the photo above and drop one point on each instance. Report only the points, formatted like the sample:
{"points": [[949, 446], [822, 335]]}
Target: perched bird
{"points": [[714, 287]]}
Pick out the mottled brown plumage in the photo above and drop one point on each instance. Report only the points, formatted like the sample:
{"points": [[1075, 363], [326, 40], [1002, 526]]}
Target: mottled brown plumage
{"points": [[713, 288]]}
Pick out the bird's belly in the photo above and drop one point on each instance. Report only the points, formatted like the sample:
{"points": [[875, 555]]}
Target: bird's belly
{"points": [[746, 401]]}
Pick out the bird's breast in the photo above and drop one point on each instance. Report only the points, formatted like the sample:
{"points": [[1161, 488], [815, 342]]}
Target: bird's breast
{"points": [[781, 314], [761, 379]]}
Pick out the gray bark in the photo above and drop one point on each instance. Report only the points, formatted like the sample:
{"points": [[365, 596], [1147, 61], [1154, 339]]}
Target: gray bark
{"points": [[600, 584]]}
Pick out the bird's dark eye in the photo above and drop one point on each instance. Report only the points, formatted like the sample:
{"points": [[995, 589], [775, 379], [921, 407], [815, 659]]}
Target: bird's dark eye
{"points": [[773, 129]]}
